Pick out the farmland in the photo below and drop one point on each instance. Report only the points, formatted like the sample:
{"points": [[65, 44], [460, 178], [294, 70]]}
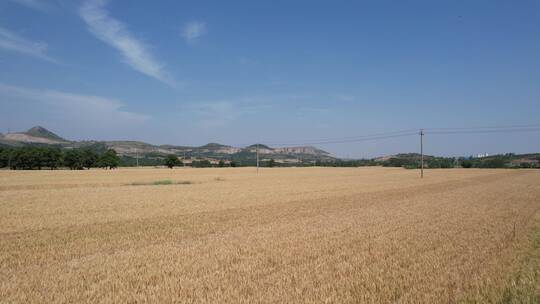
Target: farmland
{"points": [[285, 235]]}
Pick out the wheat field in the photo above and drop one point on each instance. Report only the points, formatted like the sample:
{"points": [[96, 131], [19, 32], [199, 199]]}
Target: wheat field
{"points": [[285, 235]]}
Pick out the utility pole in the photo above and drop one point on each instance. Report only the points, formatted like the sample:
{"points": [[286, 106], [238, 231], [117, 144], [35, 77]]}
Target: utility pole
{"points": [[184, 160], [257, 158], [421, 153], [137, 156]]}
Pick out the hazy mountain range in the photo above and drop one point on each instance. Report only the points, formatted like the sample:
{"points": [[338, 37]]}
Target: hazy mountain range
{"points": [[41, 136]]}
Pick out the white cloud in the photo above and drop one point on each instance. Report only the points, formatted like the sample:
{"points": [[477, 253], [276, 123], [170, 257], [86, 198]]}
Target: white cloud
{"points": [[116, 34], [10, 41], [34, 4], [88, 109], [193, 30]]}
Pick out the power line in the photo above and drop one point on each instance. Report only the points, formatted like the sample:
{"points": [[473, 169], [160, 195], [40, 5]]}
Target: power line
{"points": [[487, 127], [484, 131], [409, 132], [364, 138], [405, 133], [343, 138]]}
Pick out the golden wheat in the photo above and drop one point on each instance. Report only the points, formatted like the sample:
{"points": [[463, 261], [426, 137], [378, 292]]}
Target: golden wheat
{"points": [[296, 235]]}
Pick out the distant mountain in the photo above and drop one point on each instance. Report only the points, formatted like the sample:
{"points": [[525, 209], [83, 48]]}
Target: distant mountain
{"points": [[38, 135], [41, 132], [132, 149]]}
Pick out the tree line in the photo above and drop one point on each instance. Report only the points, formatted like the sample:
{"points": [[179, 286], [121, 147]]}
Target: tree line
{"points": [[415, 163], [508, 160], [99, 156], [172, 161], [37, 158]]}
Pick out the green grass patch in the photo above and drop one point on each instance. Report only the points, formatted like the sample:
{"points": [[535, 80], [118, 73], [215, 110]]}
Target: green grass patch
{"points": [[161, 182]]}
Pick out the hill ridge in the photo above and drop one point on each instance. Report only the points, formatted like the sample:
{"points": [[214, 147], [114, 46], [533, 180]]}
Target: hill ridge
{"points": [[134, 148]]}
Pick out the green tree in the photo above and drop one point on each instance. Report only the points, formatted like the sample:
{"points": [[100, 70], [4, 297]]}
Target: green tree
{"points": [[18, 160], [73, 159], [233, 164], [52, 158], [171, 160], [25, 158], [221, 163], [4, 157], [89, 158], [271, 163], [109, 160]]}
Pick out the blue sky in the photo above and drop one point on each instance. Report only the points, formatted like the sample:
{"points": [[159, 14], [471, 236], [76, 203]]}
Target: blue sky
{"points": [[239, 72]]}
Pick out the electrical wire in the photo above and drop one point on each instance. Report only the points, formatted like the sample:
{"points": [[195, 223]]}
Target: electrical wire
{"points": [[484, 131], [365, 138], [345, 138], [408, 132], [486, 127]]}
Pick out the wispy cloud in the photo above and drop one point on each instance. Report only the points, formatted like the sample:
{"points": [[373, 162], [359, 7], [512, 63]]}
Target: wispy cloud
{"points": [[217, 114], [13, 42], [193, 30], [345, 97], [223, 112], [40, 5], [116, 34], [94, 110]]}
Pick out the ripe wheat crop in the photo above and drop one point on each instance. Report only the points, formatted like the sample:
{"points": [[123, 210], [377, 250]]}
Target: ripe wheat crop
{"points": [[295, 235]]}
